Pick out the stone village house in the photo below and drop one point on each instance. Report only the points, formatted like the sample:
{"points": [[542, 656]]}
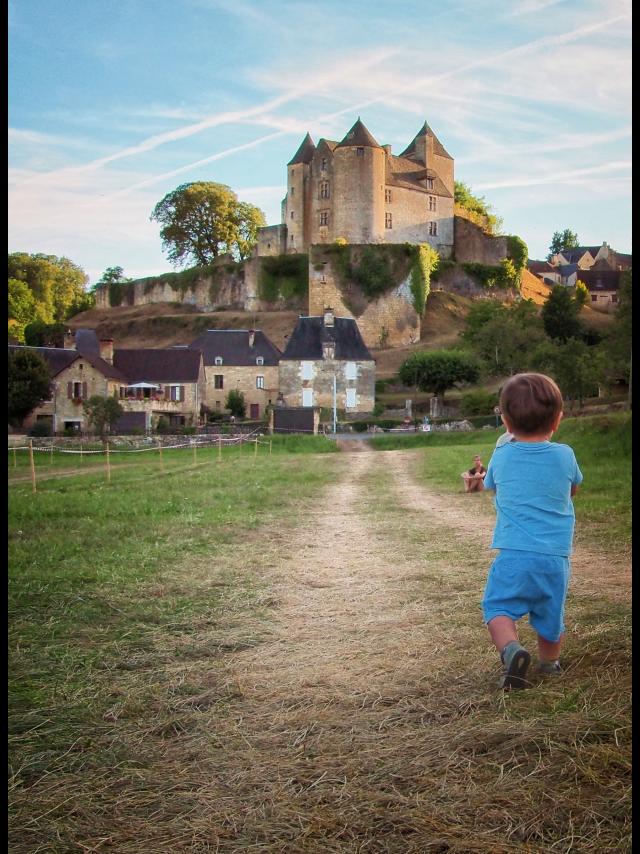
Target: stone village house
{"points": [[149, 384], [244, 360], [322, 351]]}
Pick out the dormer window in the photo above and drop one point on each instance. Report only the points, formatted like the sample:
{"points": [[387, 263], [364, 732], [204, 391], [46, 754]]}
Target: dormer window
{"points": [[328, 350], [323, 164], [429, 183], [217, 360], [259, 360]]}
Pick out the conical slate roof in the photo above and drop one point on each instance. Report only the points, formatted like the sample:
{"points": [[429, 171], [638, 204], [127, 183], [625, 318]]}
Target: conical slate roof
{"points": [[305, 153], [360, 136], [438, 148]]}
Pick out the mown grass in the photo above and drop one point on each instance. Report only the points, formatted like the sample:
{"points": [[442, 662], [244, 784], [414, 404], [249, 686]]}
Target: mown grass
{"points": [[602, 445], [111, 584]]}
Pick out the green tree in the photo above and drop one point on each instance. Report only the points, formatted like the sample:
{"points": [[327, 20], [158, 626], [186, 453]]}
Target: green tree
{"points": [[57, 284], [438, 370], [560, 315], [616, 345], [576, 367], [476, 206], [480, 313], [581, 294], [202, 220], [29, 384], [40, 334], [21, 308], [102, 413], [566, 239], [518, 252], [236, 404]]}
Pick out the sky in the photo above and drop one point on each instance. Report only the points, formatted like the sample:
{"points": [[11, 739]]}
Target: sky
{"points": [[112, 105]]}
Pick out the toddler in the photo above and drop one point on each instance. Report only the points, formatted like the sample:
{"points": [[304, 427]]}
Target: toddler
{"points": [[534, 481]]}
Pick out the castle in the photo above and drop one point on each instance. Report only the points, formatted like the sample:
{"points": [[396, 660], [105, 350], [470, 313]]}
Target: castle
{"points": [[359, 191]]}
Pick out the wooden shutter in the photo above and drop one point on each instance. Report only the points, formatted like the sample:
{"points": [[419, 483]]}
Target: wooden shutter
{"points": [[181, 394], [84, 391], [69, 390]]}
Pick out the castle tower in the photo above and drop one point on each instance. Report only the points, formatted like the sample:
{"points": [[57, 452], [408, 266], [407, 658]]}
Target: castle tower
{"points": [[427, 150], [295, 207], [358, 187]]}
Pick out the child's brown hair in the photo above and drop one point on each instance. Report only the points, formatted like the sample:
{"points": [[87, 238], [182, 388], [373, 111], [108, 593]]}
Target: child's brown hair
{"points": [[530, 402]]}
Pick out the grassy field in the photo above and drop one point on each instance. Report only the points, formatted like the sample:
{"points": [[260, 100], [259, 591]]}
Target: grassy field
{"points": [[128, 601]]}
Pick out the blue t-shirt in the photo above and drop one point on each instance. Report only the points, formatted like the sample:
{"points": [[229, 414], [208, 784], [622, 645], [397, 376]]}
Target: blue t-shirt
{"points": [[534, 510]]}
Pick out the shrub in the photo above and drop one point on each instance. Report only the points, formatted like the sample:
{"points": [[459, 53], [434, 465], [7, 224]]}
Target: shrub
{"points": [[479, 402], [42, 427]]}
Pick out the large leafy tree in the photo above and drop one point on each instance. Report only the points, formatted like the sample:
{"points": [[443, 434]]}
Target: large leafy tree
{"points": [[21, 308], [566, 239], [202, 220], [560, 315], [40, 334], [29, 384], [438, 370], [102, 413], [57, 284], [477, 207], [111, 276], [576, 367], [503, 337]]}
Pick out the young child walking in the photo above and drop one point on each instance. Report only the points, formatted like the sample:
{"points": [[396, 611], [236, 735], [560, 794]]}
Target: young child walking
{"points": [[534, 481]]}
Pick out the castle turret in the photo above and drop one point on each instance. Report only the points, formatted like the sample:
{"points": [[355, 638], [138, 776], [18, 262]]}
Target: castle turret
{"points": [[427, 150], [359, 180], [296, 202]]}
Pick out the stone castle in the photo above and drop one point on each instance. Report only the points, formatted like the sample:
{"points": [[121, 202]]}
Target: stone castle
{"points": [[359, 191], [356, 193]]}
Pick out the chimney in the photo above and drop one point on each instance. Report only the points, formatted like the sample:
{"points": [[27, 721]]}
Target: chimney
{"points": [[387, 148], [252, 338], [69, 340], [106, 349], [328, 317]]}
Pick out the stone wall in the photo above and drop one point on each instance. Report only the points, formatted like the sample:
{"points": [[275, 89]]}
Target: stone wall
{"points": [[456, 280], [389, 321], [471, 244]]}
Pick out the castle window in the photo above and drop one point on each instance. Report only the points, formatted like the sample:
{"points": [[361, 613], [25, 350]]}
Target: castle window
{"points": [[432, 203], [292, 212], [429, 183], [433, 228], [387, 195], [388, 222], [360, 151], [324, 217], [293, 240], [324, 189], [323, 164], [292, 191]]}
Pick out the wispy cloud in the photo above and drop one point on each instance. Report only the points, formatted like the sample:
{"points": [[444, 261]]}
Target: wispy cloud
{"points": [[565, 177]]}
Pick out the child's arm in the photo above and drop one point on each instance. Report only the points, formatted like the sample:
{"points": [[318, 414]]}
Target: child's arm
{"points": [[574, 489]]}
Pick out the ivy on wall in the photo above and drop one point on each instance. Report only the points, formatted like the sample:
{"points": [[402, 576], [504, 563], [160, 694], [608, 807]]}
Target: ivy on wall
{"points": [[283, 277], [426, 262], [120, 292]]}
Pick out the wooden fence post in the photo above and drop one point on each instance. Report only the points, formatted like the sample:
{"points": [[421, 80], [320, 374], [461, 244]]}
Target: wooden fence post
{"points": [[220, 447], [33, 467], [161, 459], [255, 452], [108, 466], [270, 443], [81, 451], [15, 459], [195, 453], [51, 455]]}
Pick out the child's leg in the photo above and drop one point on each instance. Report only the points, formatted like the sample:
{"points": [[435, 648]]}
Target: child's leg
{"points": [[549, 650], [503, 631]]}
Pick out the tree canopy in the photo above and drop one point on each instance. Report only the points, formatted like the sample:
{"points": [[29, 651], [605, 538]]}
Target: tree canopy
{"points": [[202, 220], [112, 275], [438, 370], [560, 315], [236, 403], [478, 208], [29, 383], [43, 287], [566, 239], [102, 412]]}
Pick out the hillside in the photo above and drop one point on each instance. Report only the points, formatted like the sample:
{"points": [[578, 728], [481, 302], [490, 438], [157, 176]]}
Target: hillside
{"points": [[168, 324]]}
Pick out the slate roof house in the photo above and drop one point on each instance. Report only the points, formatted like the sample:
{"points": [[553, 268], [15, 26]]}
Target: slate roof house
{"points": [[244, 360], [323, 353], [603, 287], [148, 383]]}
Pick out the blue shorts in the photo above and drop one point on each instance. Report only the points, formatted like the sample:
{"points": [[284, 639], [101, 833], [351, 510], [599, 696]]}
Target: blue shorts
{"points": [[522, 583]]}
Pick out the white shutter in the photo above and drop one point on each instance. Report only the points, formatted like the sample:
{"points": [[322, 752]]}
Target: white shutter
{"points": [[307, 397]]}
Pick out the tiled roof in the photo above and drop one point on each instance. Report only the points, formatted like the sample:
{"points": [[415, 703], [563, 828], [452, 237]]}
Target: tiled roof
{"points": [[402, 172], [539, 267], [600, 280], [309, 333], [305, 153], [438, 148], [574, 255], [232, 345], [168, 365], [56, 357], [567, 269], [359, 136], [87, 342]]}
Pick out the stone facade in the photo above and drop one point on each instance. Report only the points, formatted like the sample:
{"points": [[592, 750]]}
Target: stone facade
{"points": [[472, 244], [245, 379], [310, 383]]}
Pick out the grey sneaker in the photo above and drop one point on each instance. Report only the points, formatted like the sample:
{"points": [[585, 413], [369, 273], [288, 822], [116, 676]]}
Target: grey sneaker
{"points": [[551, 668], [515, 659]]}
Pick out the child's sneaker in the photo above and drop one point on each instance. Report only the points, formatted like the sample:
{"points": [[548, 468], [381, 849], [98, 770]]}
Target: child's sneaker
{"points": [[515, 659], [550, 668]]}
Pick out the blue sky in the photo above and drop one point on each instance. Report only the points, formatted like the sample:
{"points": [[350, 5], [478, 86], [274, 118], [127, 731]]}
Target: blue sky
{"points": [[114, 104]]}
